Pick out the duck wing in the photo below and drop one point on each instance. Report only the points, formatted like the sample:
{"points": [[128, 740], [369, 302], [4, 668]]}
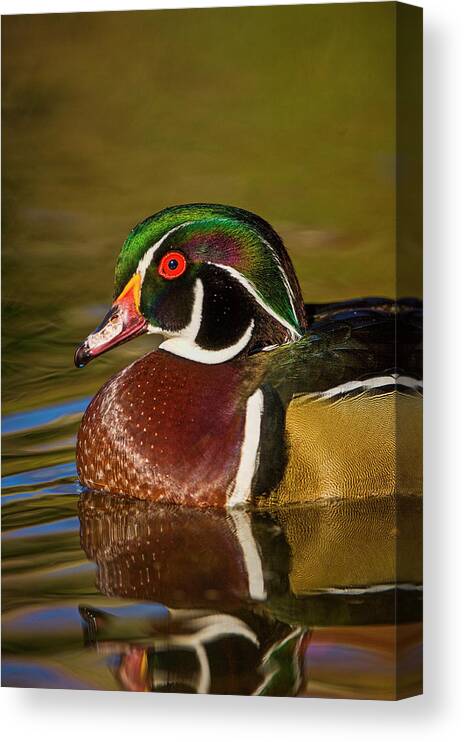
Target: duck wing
{"points": [[348, 342]]}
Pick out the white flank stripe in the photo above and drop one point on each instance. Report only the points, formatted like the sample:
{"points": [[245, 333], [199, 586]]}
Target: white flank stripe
{"points": [[295, 335], [370, 588], [249, 451], [376, 382], [416, 384], [250, 553]]}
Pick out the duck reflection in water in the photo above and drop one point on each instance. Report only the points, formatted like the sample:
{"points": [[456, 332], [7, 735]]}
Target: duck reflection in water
{"points": [[231, 600]]}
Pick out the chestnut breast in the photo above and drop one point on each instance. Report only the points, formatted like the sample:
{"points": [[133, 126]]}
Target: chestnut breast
{"points": [[166, 429]]}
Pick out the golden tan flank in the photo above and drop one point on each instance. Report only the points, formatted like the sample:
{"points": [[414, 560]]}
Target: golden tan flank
{"points": [[352, 447]]}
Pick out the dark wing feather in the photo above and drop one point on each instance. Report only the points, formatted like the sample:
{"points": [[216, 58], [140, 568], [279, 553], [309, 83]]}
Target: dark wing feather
{"points": [[350, 341]]}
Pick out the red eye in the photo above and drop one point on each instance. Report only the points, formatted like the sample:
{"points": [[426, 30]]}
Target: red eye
{"points": [[172, 265]]}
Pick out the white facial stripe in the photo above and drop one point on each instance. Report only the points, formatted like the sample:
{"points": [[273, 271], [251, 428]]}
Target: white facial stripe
{"points": [[295, 335], [148, 257], [249, 454], [289, 289]]}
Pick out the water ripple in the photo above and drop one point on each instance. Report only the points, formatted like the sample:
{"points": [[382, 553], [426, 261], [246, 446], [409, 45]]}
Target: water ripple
{"points": [[22, 421]]}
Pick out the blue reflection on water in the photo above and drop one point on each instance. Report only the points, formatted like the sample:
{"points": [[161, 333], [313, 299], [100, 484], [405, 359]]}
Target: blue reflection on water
{"points": [[65, 525], [23, 674], [36, 418], [45, 474], [58, 489]]}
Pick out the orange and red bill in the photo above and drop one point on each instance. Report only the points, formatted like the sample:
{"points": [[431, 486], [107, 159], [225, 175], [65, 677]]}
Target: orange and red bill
{"points": [[123, 322]]}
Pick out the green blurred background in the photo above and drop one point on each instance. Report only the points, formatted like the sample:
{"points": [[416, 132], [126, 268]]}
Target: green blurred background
{"points": [[108, 117]]}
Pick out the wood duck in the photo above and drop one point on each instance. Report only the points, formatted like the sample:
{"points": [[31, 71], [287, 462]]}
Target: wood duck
{"points": [[252, 397]]}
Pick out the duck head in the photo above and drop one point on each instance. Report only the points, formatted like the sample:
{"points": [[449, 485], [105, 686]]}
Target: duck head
{"points": [[214, 281]]}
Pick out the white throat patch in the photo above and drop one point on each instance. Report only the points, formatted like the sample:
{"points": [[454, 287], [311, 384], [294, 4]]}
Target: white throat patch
{"points": [[183, 343]]}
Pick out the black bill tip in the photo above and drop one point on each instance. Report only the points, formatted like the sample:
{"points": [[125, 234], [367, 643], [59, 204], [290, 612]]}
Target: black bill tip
{"points": [[82, 356]]}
